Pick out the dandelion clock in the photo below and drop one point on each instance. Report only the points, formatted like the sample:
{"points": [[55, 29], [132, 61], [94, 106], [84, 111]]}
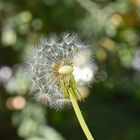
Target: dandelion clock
{"points": [[57, 65]]}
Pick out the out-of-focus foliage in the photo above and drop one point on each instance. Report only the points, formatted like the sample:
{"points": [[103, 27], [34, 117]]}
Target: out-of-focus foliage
{"points": [[112, 110]]}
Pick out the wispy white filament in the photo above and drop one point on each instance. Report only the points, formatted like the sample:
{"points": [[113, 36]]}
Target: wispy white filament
{"points": [[43, 64]]}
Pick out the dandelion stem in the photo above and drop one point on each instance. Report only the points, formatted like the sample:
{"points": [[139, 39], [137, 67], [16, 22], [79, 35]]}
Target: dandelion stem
{"points": [[80, 117]]}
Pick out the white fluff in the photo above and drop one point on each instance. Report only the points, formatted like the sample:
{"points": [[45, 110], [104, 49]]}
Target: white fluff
{"points": [[45, 55]]}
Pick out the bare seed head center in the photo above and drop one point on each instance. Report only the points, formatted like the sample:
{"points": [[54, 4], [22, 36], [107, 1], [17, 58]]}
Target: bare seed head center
{"points": [[65, 70]]}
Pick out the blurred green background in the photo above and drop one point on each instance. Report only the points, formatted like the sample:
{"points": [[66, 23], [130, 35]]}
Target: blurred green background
{"points": [[112, 109]]}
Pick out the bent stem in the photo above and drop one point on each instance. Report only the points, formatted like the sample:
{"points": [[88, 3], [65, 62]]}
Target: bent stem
{"points": [[80, 117], [68, 86]]}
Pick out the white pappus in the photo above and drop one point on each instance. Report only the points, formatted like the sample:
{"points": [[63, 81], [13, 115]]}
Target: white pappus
{"points": [[53, 57]]}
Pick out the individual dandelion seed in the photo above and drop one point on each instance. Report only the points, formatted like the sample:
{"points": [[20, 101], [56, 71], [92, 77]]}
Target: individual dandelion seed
{"points": [[56, 67]]}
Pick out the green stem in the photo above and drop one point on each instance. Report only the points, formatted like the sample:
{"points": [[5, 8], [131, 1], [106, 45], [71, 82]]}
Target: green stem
{"points": [[80, 117]]}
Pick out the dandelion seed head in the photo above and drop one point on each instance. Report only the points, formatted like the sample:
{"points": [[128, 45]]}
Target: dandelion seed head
{"points": [[58, 60]]}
